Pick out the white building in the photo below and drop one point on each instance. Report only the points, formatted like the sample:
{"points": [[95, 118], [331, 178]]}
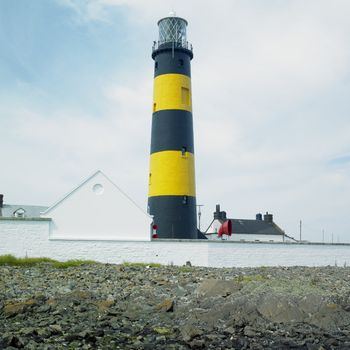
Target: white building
{"points": [[262, 229], [97, 209]]}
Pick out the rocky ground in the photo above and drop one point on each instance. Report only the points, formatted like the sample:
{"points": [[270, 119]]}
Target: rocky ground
{"points": [[143, 307]]}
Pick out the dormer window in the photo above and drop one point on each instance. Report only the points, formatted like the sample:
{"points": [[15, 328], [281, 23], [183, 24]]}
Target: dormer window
{"points": [[19, 213]]}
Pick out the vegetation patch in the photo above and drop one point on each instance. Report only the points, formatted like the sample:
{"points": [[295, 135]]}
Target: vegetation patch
{"points": [[250, 278], [163, 330], [185, 269], [11, 260], [72, 263], [139, 264]]}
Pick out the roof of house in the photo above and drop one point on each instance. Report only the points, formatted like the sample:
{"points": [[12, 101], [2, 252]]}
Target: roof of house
{"points": [[95, 174], [260, 227], [30, 211]]}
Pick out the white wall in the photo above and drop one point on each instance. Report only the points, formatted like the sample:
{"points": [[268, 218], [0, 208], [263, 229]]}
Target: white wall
{"points": [[104, 213], [21, 236], [24, 237], [29, 238], [247, 238]]}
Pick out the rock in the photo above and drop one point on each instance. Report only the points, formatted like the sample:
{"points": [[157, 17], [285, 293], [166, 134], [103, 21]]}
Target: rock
{"points": [[271, 308], [12, 340], [197, 344], [55, 329], [14, 308], [249, 332], [166, 305], [161, 339], [104, 305], [32, 345], [230, 330], [44, 332], [217, 288], [44, 308], [279, 308], [188, 332], [26, 331]]}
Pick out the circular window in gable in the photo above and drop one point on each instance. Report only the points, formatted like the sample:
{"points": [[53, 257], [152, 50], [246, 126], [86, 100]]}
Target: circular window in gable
{"points": [[98, 189]]}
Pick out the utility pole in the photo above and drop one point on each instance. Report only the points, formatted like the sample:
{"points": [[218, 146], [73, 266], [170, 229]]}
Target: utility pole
{"points": [[199, 215], [300, 224]]}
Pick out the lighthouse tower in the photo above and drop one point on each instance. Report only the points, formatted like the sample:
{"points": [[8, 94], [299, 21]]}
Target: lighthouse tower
{"points": [[172, 189]]}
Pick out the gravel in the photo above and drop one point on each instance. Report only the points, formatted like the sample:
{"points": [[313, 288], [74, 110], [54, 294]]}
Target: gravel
{"points": [[105, 306]]}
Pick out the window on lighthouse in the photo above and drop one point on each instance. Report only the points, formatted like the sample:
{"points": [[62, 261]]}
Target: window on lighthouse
{"points": [[185, 96]]}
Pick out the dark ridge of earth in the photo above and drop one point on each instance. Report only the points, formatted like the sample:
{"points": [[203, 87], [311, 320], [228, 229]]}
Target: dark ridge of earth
{"points": [[105, 306]]}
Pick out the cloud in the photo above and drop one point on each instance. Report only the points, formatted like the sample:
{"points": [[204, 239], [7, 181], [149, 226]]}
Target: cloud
{"points": [[342, 160], [87, 11], [270, 94]]}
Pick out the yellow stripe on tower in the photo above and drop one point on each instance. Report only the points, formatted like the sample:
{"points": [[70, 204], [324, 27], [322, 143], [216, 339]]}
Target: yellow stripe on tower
{"points": [[172, 174], [172, 91]]}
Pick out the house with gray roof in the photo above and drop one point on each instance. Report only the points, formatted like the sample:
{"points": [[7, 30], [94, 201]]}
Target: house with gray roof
{"points": [[262, 229]]}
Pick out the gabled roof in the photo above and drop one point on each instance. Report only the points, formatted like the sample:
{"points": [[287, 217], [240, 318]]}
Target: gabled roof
{"points": [[31, 211], [245, 226], [95, 174]]}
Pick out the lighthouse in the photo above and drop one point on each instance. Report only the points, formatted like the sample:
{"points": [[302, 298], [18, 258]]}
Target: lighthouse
{"points": [[172, 188]]}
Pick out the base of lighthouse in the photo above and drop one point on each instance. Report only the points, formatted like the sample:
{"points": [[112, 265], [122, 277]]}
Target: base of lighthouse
{"points": [[175, 216]]}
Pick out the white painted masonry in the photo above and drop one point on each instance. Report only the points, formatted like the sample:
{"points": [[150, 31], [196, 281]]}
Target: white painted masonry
{"points": [[98, 210], [22, 237], [248, 238]]}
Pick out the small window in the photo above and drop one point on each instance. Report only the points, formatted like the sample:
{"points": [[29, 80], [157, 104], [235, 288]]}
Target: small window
{"points": [[184, 200], [181, 62], [98, 189], [19, 213], [185, 96], [183, 151], [156, 66]]}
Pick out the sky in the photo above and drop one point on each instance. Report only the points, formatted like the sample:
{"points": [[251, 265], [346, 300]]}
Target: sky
{"points": [[271, 103]]}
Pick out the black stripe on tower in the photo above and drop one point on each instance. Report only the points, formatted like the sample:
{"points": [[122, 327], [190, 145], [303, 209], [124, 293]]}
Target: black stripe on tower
{"points": [[168, 61], [172, 129], [175, 219]]}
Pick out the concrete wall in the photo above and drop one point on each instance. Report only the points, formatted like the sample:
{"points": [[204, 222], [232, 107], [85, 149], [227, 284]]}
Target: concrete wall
{"points": [[27, 237], [247, 238], [31, 238]]}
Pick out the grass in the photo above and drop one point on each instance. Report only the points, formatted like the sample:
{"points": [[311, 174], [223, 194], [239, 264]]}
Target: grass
{"points": [[11, 260], [72, 263], [250, 278], [185, 269], [139, 264]]}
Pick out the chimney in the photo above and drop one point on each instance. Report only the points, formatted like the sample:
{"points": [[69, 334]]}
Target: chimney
{"points": [[268, 217], [1, 200], [218, 214], [258, 217]]}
